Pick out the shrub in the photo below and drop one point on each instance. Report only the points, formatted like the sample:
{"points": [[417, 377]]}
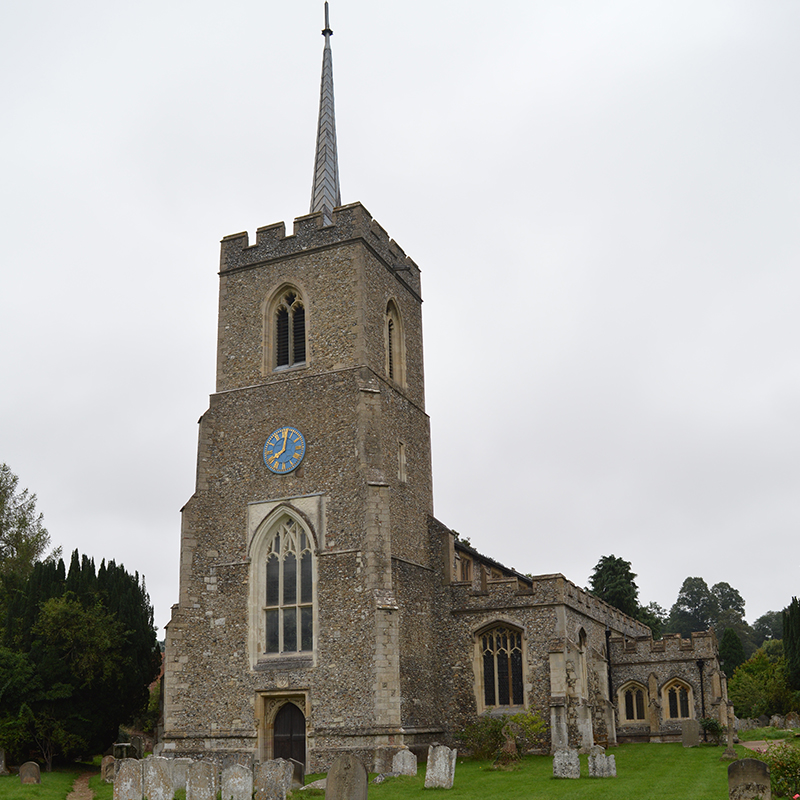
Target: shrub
{"points": [[783, 760], [713, 728], [484, 738]]}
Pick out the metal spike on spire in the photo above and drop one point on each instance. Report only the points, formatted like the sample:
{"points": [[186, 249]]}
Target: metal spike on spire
{"points": [[325, 193]]}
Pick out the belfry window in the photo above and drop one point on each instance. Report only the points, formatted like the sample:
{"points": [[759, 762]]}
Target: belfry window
{"points": [[289, 590], [395, 347], [290, 330], [501, 649]]}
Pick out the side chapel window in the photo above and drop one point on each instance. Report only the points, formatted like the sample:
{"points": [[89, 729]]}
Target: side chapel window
{"points": [[634, 704], [501, 648], [288, 605], [678, 701], [290, 330]]}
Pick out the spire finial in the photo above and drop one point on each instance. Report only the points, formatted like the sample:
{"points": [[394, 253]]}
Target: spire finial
{"points": [[325, 193]]}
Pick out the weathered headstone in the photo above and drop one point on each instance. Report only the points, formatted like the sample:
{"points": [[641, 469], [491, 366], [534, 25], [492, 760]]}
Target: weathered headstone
{"points": [[178, 770], [601, 765], [138, 746], [748, 779], [29, 772], [157, 779], [201, 781], [273, 779], [298, 774], [108, 769], [763, 721], [347, 779], [440, 771], [566, 763], [690, 733], [3, 767], [404, 763], [128, 783], [123, 750], [237, 783], [777, 721]]}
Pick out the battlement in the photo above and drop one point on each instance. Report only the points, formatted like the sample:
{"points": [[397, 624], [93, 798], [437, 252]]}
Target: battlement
{"points": [[350, 222], [590, 605], [701, 644]]}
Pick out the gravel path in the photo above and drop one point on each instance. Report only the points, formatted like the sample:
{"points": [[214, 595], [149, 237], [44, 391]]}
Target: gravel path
{"points": [[80, 789]]}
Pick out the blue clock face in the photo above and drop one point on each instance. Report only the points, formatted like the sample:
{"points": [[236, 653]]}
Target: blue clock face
{"points": [[284, 450]]}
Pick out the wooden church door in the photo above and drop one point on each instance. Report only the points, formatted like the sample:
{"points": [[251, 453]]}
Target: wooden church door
{"points": [[289, 733]]}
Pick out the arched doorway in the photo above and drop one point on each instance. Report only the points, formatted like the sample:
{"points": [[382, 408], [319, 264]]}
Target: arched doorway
{"points": [[289, 733]]}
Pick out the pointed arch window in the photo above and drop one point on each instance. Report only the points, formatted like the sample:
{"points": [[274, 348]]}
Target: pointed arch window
{"points": [[289, 330], [395, 345], [678, 700], [501, 655], [633, 702]]}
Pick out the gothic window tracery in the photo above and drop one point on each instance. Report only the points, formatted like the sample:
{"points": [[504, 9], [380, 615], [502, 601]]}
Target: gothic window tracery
{"points": [[501, 650], [288, 611], [678, 700], [395, 345], [289, 330], [633, 702]]}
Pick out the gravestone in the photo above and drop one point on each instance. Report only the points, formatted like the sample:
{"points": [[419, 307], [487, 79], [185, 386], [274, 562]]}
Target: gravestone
{"points": [[237, 783], [128, 783], [777, 721], [566, 763], [29, 773], [347, 779], [273, 779], [404, 763], [601, 765], [763, 721], [748, 779], [137, 746], [3, 767], [108, 769], [157, 779], [298, 774], [792, 720], [123, 750], [201, 781], [440, 770], [178, 770], [690, 733]]}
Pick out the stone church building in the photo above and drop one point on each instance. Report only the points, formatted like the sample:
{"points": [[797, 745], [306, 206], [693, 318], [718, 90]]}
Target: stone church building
{"points": [[323, 608]]}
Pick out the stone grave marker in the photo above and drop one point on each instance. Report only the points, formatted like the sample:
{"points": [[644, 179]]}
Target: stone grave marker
{"points": [[108, 768], [298, 774], [404, 763], [763, 721], [792, 720], [347, 779], [128, 783], [123, 750], [29, 772], [237, 783], [178, 770], [748, 779], [690, 733], [601, 765], [777, 721], [273, 779], [157, 779], [201, 781], [3, 767], [441, 767], [137, 746], [566, 763]]}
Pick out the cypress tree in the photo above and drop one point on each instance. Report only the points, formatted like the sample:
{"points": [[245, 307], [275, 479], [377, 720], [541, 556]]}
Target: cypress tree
{"points": [[791, 643]]}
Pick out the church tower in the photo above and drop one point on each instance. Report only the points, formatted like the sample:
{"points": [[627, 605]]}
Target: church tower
{"points": [[307, 575]]}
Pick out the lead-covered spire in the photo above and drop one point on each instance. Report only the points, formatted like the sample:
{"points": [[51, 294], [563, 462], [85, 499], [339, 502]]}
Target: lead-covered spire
{"points": [[325, 194]]}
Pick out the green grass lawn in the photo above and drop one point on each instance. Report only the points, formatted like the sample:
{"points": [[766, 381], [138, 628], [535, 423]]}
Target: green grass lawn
{"points": [[663, 771]]}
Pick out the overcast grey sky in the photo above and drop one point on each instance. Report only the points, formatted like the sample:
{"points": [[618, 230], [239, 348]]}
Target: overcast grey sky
{"points": [[604, 200]]}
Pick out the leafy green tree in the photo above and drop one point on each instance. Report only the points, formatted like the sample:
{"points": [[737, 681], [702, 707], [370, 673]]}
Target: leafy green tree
{"points": [[654, 616], [731, 651], [696, 608], [768, 626], [759, 685], [791, 643], [728, 598], [86, 642], [614, 582], [23, 537]]}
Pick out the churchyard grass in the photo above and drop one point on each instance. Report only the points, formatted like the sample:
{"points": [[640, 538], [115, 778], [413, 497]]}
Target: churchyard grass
{"points": [[55, 785], [665, 771], [766, 734]]}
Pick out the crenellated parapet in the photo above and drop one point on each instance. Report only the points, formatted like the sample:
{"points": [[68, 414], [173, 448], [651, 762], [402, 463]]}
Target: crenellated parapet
{"points": [[672, 647], [350, 223]]}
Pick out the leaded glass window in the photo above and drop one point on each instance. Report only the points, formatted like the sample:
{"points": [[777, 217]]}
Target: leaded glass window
{"points": [[289, 592], [290, 331], [634, 704], [501, 649], [678, 701]]}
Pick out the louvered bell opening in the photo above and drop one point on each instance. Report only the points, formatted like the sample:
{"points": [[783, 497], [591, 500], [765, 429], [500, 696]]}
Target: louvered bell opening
{"points": [[390, 346], [299, 335], [282, 338]]}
